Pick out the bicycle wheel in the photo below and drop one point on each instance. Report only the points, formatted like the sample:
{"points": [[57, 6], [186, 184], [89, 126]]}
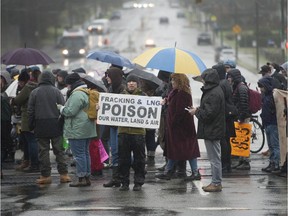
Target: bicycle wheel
{"points": [[257, 136]]}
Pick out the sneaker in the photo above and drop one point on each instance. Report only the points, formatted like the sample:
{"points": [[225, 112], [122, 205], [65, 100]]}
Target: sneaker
{"points": [[124, 188], [212, 188], [163, 176], [193, 177], [137, 187], [268, 168], [244, 166]]}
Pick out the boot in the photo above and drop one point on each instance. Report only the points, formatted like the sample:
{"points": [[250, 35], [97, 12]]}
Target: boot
{"points": [[124, 187], [150, 160], [44, 180], [88, 182], [24, 164], [115, 181], [64, 178], [79, 183]]}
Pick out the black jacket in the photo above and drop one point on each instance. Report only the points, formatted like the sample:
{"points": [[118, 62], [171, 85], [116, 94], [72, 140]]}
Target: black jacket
{"points": [[211, 113], [42, 109], [240, 95]]}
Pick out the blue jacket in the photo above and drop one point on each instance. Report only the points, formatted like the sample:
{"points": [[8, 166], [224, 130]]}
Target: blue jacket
{"points": [[268, 113]]}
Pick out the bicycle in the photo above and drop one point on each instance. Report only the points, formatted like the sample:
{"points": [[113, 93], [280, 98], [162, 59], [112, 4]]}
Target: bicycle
{"points": [[257, 136]]}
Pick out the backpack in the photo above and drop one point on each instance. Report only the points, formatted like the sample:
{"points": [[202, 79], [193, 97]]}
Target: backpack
{"points": [[93, 100], [254, 100]]}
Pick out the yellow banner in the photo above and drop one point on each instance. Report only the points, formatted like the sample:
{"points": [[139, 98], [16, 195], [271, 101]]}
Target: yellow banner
{"points": [[240, 145]]}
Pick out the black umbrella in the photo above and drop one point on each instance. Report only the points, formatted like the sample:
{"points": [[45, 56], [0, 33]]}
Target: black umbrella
{"points": [[99, 85], [26, 56], [142, 74]]}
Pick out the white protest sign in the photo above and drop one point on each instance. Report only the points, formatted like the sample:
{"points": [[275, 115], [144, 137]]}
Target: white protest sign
{"points": [[129, 110]]}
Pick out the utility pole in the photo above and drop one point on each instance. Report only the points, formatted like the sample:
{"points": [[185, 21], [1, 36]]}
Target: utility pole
{"points": [[257, 34]]}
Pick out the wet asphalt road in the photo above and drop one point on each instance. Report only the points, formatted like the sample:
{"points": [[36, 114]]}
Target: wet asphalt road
{"points": [[244, 193]]}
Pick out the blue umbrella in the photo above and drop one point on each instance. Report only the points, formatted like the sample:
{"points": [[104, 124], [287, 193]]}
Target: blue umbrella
{"points": [[110, 57]]}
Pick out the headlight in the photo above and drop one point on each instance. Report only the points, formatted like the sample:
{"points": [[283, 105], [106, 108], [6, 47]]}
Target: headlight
{"points": [[82, 51], [65, 52]]}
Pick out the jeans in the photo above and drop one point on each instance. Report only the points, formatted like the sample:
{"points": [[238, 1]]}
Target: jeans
{"points": [[192, 162], [32, 148], [113, 141], [151, 145], [213, 148], [80, 151], [273, 143]]}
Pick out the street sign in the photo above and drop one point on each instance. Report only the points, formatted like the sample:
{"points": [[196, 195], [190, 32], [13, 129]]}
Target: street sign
{"points": [[236, 29]]}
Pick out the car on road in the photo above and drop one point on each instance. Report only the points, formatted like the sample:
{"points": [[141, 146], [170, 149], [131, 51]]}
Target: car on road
{"points": [[116, 15], [164, 20], [204, 38], [227, 54], [149, 43], [181, 14], [218, 50], [99, 26]]}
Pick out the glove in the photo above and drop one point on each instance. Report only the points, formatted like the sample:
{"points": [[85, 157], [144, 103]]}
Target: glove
{"points": [[59, 106]]}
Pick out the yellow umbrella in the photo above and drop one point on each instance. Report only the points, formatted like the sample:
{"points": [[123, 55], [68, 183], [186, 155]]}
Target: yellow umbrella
{"points": [[173, 60]]}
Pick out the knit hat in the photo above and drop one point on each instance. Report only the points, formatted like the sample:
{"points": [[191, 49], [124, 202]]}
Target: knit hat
{"points": [[24, 75], [132, 78], [72, 78]]}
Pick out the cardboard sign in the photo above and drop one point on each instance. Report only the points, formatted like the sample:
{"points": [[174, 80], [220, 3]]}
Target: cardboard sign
{"points": [[129, 110], [240, 145]]}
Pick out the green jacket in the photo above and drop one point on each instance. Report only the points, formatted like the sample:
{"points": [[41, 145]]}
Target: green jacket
{"points": [[132, 130], [77, 125], [22, 100]]}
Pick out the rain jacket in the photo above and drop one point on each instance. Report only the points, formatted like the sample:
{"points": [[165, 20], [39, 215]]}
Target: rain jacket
{"points": [[22, 100], [181, 141], [268, 113], [77, 125], [211, 113], [42, 109], [132, 130], [240, 95]]}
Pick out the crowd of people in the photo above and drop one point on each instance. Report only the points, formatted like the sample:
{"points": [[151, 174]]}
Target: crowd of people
{"points": [[52, 107]]}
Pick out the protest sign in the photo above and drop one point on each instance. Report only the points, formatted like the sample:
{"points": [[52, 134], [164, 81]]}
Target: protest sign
{"points": [[240, 145], [129, 110]]}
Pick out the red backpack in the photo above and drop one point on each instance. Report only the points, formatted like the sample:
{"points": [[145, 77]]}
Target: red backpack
{"points": [[254, 100]]}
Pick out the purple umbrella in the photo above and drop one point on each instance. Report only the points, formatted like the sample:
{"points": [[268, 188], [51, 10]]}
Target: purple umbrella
{"points": [[26, 56]]}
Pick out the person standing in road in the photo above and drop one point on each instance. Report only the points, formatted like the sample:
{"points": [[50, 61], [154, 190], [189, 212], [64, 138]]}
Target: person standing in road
{"points": [[78, 128], [43, 119], [230, 116], [181, 142], [240, 98], [269, 122], [22, 100], [211, 124], [131, 140], [6, 112], [115, 79]]}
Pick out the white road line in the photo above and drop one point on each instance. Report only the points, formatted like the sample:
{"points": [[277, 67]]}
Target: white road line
{"points": [[217, 208], [85, 208]]}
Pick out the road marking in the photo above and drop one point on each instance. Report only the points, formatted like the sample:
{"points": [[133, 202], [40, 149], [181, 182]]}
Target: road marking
{"points": [[217, 208], [199, 186], [85, 208]]}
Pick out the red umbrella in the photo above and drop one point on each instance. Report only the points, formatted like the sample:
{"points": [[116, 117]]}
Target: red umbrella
{"points": [[26, 56]]}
